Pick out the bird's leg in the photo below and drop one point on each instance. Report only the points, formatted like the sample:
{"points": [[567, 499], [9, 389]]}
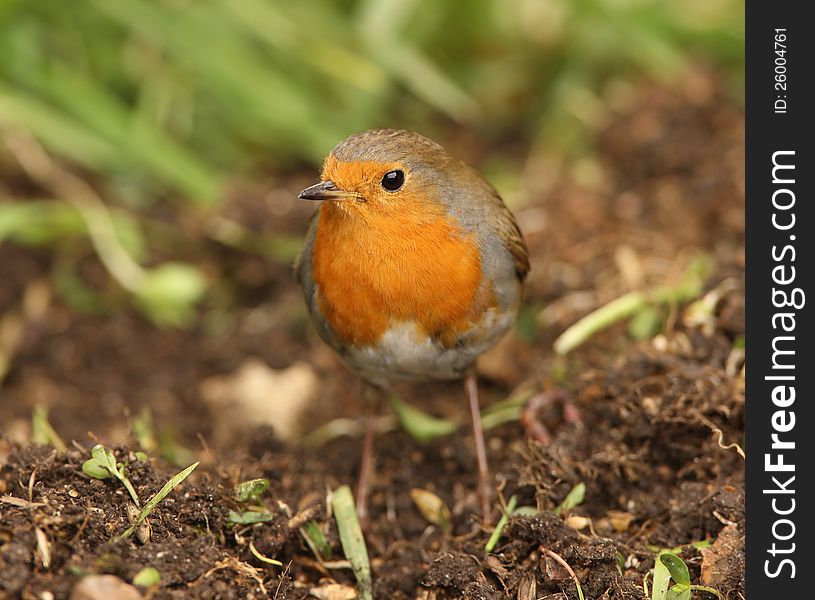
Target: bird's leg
{"points": [[371, 400], [471, 386]]}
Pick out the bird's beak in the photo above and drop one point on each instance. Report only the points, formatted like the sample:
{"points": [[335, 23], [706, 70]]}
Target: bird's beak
{"points": [[326, 190]]}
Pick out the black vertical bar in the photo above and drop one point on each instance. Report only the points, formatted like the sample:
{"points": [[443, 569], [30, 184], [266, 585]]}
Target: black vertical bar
{"points": [[780, 193]]}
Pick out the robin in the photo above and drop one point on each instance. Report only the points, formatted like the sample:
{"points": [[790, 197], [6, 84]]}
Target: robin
{"points": [[412, 267]]}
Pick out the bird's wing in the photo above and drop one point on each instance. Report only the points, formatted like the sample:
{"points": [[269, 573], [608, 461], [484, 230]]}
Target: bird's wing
{"points": [[502, 223], [508, 231]]}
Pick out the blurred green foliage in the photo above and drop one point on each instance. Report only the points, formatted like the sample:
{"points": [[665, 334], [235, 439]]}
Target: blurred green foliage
{"points": [[158, 99]]}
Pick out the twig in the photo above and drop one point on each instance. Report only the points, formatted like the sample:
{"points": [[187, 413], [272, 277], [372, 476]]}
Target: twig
{"points": [[20, 502], [32, 479], [280, 577], [236, 565], [566, 566]]}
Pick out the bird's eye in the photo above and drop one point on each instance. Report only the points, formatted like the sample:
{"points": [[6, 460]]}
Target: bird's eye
{"points": [[393, 180]]}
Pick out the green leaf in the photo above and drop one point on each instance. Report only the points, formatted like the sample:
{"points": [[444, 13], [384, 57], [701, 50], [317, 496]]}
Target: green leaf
{"points": [[147, 577], [507, 410], [104, 457], [646, 323], [662, 581], [99, 466], [57, 130], [573, 498], [169, 292], [249, 517], [143, 430], [92, 468], [525, 511], [420, 425], [73, 290], [250, 490], [36, 223], [677, 568]]}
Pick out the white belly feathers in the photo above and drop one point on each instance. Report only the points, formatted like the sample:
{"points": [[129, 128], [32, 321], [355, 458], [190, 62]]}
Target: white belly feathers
{"points": [[405, 353]]}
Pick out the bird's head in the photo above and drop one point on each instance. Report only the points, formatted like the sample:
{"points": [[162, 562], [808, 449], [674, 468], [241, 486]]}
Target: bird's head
{"points": [[385, 172]]}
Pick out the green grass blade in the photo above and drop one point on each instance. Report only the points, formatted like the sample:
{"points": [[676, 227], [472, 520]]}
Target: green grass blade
{"points": [[158, 497], [316, 540], [42, 432], [353, 543], [499, 528], [419, 425]]}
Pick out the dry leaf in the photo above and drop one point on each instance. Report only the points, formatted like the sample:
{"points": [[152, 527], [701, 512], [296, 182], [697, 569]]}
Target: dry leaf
{"points": [[528, 587], [256, 394], [431, 506], [724, 557], [577, 522], [104, 587], [620, 520], [43, 547]]}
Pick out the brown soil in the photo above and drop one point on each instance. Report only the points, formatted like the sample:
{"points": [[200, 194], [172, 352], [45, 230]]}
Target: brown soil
{"points": [[650, 446]]}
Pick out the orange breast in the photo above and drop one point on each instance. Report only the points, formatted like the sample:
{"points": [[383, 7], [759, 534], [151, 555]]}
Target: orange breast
{"points": [[382, 268]]}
